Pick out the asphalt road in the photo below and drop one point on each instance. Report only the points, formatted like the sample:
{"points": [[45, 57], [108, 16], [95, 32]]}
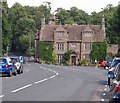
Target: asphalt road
{"points": [[55, 83]]}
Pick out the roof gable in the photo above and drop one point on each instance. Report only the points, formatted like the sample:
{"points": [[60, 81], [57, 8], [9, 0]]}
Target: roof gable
{"points": [[60, 28], [88, 28]]}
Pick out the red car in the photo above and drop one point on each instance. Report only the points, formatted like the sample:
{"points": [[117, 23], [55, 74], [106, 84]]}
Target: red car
{"points": [[102, 64]]}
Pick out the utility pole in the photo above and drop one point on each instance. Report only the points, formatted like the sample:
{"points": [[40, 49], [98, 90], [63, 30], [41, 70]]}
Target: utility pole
{"points": [[0, 28], [37, 45]]}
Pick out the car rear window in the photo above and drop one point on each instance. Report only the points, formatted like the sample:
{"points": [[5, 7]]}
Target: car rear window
{"points": [[2, 61], [13, 60]]}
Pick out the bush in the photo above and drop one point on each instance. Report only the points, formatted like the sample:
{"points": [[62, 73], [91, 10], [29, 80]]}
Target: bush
{"points": [[84, 62]]}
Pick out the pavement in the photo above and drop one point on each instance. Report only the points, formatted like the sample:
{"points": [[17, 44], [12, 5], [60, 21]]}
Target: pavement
{"points": [[41, 82]]}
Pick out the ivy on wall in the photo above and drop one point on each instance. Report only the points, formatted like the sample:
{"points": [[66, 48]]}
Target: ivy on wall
{"points": [[66, 57], [99, 51], [46, 52]]}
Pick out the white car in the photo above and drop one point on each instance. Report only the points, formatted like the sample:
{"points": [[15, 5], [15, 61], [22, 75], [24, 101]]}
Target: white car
{"points": [[18, 65]]}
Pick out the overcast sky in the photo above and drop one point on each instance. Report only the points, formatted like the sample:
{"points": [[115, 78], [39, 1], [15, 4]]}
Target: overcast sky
{"points": [[86, 5]]}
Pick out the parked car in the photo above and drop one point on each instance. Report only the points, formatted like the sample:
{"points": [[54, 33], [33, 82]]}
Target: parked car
{"points": [[7, 67], [18, 65], [111, 70], [103, 63], [107, 65], [114, 93]]}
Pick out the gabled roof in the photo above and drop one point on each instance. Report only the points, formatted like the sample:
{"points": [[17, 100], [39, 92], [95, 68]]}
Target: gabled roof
{"points": [[73, 31]]}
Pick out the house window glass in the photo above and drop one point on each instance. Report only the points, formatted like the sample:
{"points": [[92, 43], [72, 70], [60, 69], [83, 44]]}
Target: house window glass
{"points": [[87, 57], [73, 45], [88, 33], [87, 46], [61, 46], [60, 33], [59, 57]]}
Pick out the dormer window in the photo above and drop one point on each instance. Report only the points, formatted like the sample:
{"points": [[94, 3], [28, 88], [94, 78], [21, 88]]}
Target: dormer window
{"points": [[88, 33], [60, 33]]}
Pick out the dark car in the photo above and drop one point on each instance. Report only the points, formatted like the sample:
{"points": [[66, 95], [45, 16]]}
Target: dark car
{"points": [[111, 70], [7, 67], [114, 93]]}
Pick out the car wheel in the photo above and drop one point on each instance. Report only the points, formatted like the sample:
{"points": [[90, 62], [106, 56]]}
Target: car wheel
{"points": [[108, 81], [10, 73], [21, 70], [15, 73]]}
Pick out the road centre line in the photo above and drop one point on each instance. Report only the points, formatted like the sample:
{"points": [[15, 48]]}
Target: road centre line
{"points": [[1, 96], [52, 76], [56, 73], [41, 81], [21, 88]]}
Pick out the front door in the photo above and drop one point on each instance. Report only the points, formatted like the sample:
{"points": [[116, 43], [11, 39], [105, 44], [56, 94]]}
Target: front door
{"points": [[74, 60]]}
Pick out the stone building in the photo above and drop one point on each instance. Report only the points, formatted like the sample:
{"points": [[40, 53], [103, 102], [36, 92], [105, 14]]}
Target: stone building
{"points": [[78, 38]]}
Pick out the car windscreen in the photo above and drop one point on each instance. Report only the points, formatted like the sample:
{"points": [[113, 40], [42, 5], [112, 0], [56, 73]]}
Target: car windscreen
{"points": [[2, 61], [115, 63]]}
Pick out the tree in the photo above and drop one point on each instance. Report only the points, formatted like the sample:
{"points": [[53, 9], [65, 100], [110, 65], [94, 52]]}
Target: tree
{"points": [[27, 42], [6, 28]]}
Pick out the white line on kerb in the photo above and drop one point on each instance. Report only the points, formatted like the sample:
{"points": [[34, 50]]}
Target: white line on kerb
{"points": [[106, 85], [41, 81], [102, 100], [1, 96], [104, 94], [105, 89], [21, 88]]}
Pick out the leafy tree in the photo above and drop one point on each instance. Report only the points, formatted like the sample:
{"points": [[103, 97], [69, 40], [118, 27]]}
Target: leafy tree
{"points": [[27, 42], [6, 28]]}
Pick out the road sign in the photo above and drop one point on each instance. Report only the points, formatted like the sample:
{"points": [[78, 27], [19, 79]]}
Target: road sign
{"points": [[21, 59]]}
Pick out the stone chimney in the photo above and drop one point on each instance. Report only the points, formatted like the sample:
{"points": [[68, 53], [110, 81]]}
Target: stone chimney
{"points": [[52, 20], [103, 27], [43, 23]]}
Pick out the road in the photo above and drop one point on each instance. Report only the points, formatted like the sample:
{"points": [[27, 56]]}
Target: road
{"points": [[41, 82]]}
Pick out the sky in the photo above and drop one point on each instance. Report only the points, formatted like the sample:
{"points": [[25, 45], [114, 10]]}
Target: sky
{"points": [[86, 5]]}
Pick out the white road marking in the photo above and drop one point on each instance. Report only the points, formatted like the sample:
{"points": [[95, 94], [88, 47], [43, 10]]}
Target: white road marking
{"points": [[21, 88], [1, 96], [56, 73], [102, 100], [104, 94], [41, 81], [50, 70], [52, 76]]}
